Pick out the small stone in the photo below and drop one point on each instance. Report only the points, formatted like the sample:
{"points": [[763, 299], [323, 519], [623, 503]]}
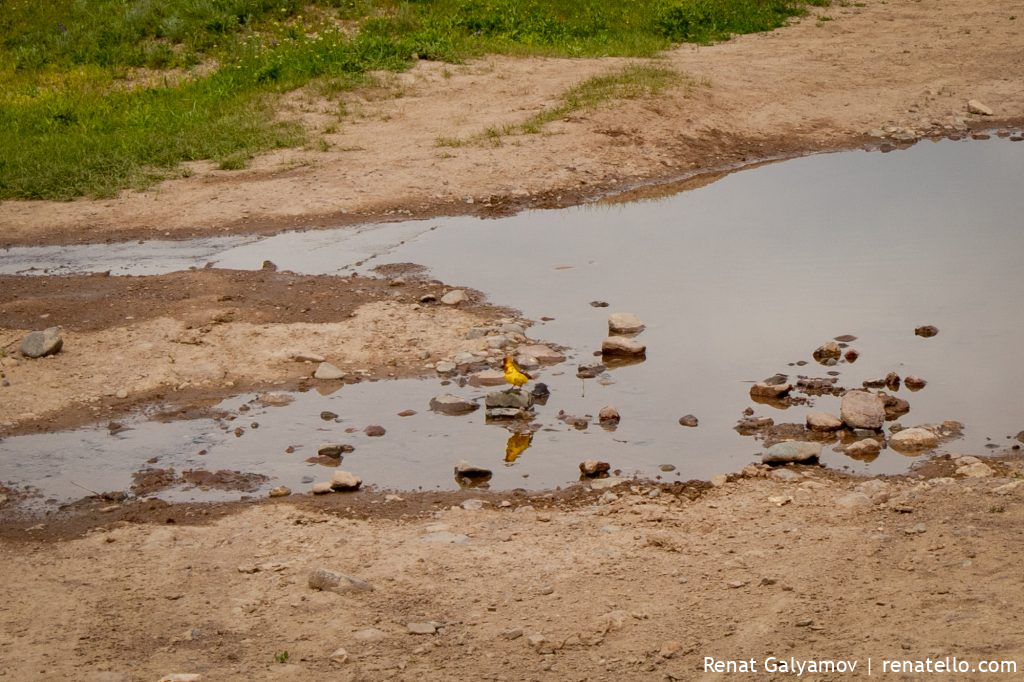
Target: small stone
{"points": [[374, 431], [321, 488], [791, 451], [604, 483], [445, 367], [975, 470], [914, 438], [330, 581], [590, 370], [308, 357], [42, 343], [544, 354], [862, 410], [516, 399], [327, 415], [927, 331], [718, 480], [488, 377], [328, 372], [622, 346], [369, 635], [688, 420], [599, 304], [854, 502], [784, 475], [512, 633], [280, 491], [780, 500], [624, 323], [667, 467], [340, 656], [467, 470], [976, 107], [455, 297], [182, 677], [868, 447], [452, 405], [592, 468], [915, 383], [771, 391], [345, 481], [496, 342], [823, 422], [608, 415], [407, 413], [852, 355], [472, 505], [670, 649], [334, 450], [421, 628], [828, 351]]}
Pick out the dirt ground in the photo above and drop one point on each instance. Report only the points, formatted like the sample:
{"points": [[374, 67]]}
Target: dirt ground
{"points": [[642, 583], [636, 584]]}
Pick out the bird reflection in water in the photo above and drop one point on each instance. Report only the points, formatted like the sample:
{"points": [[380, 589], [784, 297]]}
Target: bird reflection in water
{"points": [[517, 444]]}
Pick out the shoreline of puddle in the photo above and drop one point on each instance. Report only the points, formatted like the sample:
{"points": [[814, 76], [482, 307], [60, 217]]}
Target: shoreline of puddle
{"points": [[367, 251]]}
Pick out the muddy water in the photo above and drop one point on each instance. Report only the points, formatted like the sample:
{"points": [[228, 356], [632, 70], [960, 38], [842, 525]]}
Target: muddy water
{"points": [[736, 281]]}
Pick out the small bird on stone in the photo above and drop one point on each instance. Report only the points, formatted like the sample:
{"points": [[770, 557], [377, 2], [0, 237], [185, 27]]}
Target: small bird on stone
{"points": [[513, 374]]}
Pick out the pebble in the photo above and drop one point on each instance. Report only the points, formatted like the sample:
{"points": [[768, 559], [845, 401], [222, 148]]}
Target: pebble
{"points": [[621, 345], [445, 367], [334, 450], [823, 422], [590, 370], [718, 480], [407, 413], [330, 581], [688, 420], [369, 635], [914, 438], [452, 405], [455, 297], [827, 351], [339, 656], [624, 323], [327, 415], [976, 107], [791, 451], [511, 633], [592, 468], [42, 343], [765, 390], [327, 372], [421, 628], [488, 377], [308, 357], [915, 383], [472, 505], [321, 488], [467, 470], [867, 447], [604, 483], [667, 467], [608, 415], [975, 470], [345, 481], [926, 331], [854, 502], [374, 431], [280, 491], [784, 475]]}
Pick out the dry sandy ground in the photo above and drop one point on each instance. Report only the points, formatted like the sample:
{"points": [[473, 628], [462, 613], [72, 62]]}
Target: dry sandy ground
{"points": [[908, 64], [621, 587]]}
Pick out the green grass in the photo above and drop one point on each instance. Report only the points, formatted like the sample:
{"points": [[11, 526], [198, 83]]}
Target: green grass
{"points": [[101, 95]]}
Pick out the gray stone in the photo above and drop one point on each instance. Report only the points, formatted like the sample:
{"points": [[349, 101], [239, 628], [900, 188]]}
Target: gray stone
{"points": [[914, 438], [331, 581], [421, 628], [791, 451], [445, 367], [513, 328], [862, 410], [592, 468], [452, 405], [464, 358], [688, 420], [345, 480], [455, 297], [624, 323], [327, 372], [621, 345], [517, 399], [854, 502], [526, 362], [41, 344], [976, 107], [867, 447], [765, 390], [496, 342], [823, 422]]}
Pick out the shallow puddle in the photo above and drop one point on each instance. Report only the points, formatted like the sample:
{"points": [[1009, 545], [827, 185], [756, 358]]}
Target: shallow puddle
{"points": [[735, 282]]}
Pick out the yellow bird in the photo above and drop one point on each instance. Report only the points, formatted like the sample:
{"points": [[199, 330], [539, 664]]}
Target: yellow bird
{"points": [[513, 374]]}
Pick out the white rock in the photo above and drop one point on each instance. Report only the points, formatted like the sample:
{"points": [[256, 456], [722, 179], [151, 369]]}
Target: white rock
{"points": [[862, 410], [866, 447], [455, 297], [913, 439], [976, 470], [339, 656], [976, 107], [621, 345], [327, 372], [308, 357], [345, 480], [823, 421], [624, 323], [321, 488]]}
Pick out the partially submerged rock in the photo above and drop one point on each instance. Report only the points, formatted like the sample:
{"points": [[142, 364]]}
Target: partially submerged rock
{"points": [[771, 391], [791, 452], [592, 468], [624, 323], [862, 410], [823, 422], [624, 346], [328, 372], [915, 438], [827, 351], [344, 481], [452, 404]]}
